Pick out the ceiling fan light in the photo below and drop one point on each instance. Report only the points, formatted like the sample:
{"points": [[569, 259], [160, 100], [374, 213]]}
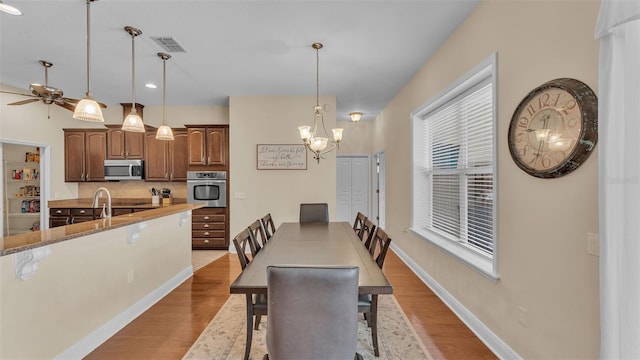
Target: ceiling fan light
{"points": [[88, 109], [133, 122], [164, 133]]}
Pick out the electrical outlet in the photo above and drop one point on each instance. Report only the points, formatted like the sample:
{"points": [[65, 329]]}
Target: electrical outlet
{"points": [[522, 316], [593, 244], [240, 195], [130, 276]]}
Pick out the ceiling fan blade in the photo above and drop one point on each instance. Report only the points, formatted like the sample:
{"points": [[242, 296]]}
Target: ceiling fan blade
{"points": [[23, 102], [69, 107], [15, 93], [70, 100]]}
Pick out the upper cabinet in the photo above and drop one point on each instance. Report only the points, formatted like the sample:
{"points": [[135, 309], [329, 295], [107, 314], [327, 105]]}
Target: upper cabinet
{"points": [[166, 160], [84, 154], [125, 144], [208, 147]]}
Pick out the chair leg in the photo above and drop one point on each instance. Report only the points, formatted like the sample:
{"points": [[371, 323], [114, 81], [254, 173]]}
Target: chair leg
{"points": [[258, 316], [374, 323], [247, 348]]}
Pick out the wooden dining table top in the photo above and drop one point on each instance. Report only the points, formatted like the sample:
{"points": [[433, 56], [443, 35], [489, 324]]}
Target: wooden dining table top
{"points": [[332, 244]]}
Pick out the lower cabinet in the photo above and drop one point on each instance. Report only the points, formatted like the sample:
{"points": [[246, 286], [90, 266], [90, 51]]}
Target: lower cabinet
{"points": [[62, 217], [209, 229], [68, 216]]}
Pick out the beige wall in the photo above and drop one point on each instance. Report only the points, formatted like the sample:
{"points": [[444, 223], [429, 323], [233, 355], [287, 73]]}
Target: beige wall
{"points": [[542, 223], [275, 120]]}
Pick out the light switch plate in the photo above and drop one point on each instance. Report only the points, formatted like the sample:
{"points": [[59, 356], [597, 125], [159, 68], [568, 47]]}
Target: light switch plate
{"points": [[593, 244]]}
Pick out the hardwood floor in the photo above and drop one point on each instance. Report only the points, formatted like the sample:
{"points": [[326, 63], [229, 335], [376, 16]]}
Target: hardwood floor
{"points": [[169, 328]]}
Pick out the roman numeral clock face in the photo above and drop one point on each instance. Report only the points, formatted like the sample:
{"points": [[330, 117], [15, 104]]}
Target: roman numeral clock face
{"points": [[554, 128]]}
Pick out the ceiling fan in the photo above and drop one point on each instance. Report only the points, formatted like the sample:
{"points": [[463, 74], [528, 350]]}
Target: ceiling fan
{"points": [[47, 94]]}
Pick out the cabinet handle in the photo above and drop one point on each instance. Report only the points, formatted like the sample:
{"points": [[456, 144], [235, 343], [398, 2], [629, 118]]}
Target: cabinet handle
{"points": [[58, 211], [206, 233], [206, 241], [81, 211], [206, 217], [205, 225]]}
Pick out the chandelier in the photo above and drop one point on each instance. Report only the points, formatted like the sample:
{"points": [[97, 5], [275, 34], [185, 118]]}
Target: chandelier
{"points": [[313, 141]]}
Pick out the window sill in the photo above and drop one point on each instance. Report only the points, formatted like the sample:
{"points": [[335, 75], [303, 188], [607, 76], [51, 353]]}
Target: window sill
{"points": [[478, 262]]}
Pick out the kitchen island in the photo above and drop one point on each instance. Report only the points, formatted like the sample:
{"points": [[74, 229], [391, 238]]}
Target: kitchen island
{"points": [[66, 290]]}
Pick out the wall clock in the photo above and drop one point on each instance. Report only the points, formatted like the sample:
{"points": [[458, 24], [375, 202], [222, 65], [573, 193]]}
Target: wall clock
{"points": [[554, 128]]}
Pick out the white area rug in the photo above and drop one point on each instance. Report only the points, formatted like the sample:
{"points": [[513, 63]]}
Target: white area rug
{"points": [[224, 337]]}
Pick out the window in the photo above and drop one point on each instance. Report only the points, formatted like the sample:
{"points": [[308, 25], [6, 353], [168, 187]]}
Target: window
{"points": [[454, 170]]}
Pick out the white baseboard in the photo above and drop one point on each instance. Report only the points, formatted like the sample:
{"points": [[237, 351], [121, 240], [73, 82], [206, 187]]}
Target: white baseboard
{"points": [[90, 342], [493, 342]]}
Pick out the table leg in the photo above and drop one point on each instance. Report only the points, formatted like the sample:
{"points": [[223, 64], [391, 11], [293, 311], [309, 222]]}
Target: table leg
{"points": [[247, 348], [374, 323]]}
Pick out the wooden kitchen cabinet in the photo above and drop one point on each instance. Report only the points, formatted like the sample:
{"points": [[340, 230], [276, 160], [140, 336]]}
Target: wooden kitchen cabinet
{"points": [[124, 144], [84, 154], [208, 147], [64, 216], [166, 160], [209, 229]]}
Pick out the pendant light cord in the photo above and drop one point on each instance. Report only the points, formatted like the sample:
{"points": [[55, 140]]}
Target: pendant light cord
{"points": [[133, 71], [164, 91], [88, 45]]}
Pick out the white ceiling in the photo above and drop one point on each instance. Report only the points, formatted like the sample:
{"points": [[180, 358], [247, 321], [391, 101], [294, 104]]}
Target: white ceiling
{"points": [[233, 48]]}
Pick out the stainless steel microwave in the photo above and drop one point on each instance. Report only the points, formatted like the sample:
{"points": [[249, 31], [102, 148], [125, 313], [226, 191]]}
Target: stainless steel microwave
{"points": [[124, 169]]}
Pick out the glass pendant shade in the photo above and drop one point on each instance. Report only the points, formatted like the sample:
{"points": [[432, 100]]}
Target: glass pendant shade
{"points": [[88, 109], [164, 133], [337, 134], [305, 132], [133, 122], [318, 143]]}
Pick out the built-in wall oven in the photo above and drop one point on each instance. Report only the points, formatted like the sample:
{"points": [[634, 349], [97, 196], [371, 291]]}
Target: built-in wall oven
{"points": [[207, 187]]}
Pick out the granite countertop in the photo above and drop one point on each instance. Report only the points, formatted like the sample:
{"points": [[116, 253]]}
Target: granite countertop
{"points": [[129, 203], [17, 243]]}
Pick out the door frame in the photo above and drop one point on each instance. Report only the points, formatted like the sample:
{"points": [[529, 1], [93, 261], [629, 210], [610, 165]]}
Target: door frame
{"points": [[378, 166], [45, 178]]}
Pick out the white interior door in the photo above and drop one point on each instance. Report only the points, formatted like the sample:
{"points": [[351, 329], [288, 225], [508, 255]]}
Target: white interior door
{"points": [[379, 189], [352, 187]]}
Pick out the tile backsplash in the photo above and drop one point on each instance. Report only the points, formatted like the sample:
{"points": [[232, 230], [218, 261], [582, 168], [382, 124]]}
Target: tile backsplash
{"points": [[132, 189]]}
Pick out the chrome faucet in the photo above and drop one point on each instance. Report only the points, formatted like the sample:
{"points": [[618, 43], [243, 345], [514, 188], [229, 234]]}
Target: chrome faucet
{"points": [[95, 202]]}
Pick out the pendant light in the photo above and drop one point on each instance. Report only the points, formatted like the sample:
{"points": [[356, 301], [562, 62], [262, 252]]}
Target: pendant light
{"points": [[88, 109], [133, 121], [164, 131], [309, 134]]}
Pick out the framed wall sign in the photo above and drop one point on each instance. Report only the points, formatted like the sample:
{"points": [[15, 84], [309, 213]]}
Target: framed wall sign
{"points": [[281, 157]]}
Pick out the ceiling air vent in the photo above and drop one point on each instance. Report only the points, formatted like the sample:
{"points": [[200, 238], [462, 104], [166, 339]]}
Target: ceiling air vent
{"points": [[168, 44]]}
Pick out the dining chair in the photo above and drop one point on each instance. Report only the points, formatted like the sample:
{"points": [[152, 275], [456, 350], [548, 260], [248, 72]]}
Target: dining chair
{"points": [[314, 212], [256, 303], [320, 322], [367, 232], [267, 224], [368, 303], [257, 230], [357, 224]]}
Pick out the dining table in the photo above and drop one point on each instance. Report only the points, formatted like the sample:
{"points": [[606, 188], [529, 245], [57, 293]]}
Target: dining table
{"points": [[309, 244]]}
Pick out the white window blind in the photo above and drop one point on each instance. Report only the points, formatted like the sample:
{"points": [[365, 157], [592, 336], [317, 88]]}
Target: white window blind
{"points": [[453, 162]]}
